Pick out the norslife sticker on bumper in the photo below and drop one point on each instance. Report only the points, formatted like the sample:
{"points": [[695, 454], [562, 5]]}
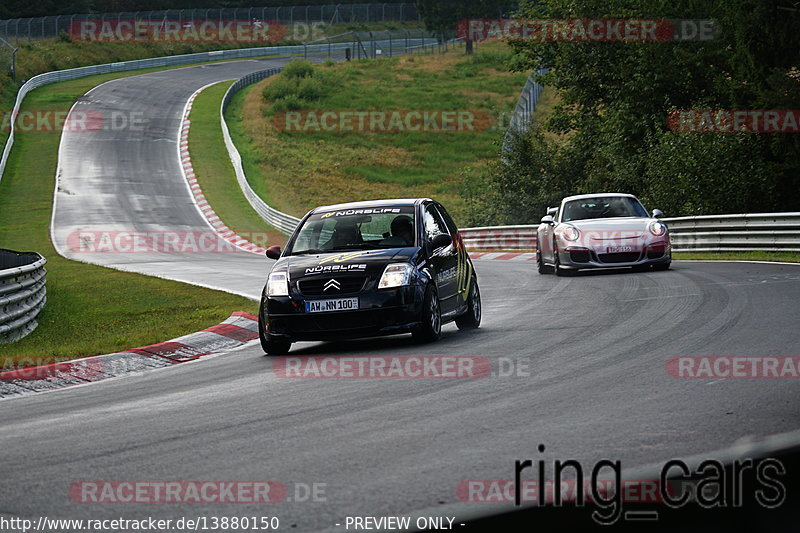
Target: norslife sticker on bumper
{"points": [[336, 268]]}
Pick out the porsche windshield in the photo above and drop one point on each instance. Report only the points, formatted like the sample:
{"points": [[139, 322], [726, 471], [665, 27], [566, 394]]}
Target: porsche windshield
{"points": [[356, 229], [609, 207]]}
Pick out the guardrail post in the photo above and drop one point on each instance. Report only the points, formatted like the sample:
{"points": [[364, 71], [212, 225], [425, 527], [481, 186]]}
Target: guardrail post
{"points": [[14, 65]]}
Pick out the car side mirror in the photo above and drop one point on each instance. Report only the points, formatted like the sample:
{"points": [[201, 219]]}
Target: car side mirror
{"points": [[548, 219], [657, 213], [274, 252], [441, 240]]}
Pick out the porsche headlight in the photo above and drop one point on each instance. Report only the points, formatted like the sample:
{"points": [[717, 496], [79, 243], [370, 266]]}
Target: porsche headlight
{"points": [[278, 284], [569, 232], [395, 275], [657, 228]]}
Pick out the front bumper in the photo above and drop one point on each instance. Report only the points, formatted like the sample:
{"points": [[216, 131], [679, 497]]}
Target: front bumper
{"points": [[384, 312], [578, 257]]}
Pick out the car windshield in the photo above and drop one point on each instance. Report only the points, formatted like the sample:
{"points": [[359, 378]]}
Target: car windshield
{"points": [[356, 229], [603, 207]]}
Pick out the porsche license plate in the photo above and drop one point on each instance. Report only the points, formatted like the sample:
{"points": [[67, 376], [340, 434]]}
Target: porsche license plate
{"points": [[619, 249], [339, 304]]}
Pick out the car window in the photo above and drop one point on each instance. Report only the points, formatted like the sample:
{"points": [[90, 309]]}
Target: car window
{"points": [[355, 229], [603, 207], [451, 226], [433, 223]]}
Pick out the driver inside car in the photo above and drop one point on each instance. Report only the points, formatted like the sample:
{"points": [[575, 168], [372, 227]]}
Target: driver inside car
{"points": [[402, 232], [344, 234]]}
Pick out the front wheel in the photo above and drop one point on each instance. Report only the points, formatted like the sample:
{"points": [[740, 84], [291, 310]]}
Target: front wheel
{"points": [[472, 318], [430, 328], [543, 269], [560, 271], [271, 347]]}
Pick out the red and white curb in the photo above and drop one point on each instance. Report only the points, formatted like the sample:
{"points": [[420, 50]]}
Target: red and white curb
{"points": [[239, 329], [223, 231], [503, 256]]}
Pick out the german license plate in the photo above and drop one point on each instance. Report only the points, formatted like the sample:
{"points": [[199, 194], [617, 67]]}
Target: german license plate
{"points": [[339, 304], [619, 249]]}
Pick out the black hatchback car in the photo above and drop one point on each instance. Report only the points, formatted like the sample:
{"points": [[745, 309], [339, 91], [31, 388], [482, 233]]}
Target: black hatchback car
{"points": [[366, 269]]}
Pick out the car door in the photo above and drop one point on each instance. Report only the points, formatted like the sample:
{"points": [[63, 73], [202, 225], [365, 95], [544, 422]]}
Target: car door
{"points": [[444, 261], [463, 263]]}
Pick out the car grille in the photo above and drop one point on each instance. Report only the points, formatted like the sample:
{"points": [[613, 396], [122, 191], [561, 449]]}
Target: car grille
{"points": [[655, 252], [316, 286], [582, 256], [621, 257], [350, 321]]}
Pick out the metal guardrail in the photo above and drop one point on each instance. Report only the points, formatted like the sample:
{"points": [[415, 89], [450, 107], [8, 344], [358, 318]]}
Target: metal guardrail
{"points": [[49, 27], [512, 238], [772, 232], [769, 232], [281, 221], [523, 112], [22, 293]]}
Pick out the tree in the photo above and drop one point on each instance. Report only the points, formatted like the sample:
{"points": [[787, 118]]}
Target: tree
{"points": [[443, 16], [616, 96]]}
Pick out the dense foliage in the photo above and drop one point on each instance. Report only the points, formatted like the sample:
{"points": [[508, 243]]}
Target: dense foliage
{"points": [[609, 132]]}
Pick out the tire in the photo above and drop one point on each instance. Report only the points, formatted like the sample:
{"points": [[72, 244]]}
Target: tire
{"points": [[472, 318], [662, 266], [563, 272], [543, 269], [271, 347], [430, 328]]}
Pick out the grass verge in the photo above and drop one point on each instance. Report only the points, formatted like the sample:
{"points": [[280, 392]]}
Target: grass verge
{"points": [[90, 310], [785, 257], [295, 171], [215, 173]]}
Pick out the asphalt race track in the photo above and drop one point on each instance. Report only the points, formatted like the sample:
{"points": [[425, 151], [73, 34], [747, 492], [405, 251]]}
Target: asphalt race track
{"points": [[127, 180], [587, 355]]}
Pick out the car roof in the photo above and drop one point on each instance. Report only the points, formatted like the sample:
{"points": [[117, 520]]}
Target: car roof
{"points": [[597, 195], [393, 202]]}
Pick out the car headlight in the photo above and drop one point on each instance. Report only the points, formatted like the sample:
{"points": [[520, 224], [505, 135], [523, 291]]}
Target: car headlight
{"points": [[278, 284], [395, 275], [657, 228], [569, 232]]}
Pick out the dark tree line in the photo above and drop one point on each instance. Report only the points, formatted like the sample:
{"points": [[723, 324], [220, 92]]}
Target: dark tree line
{"points": [[41, 8], [610, 131]]}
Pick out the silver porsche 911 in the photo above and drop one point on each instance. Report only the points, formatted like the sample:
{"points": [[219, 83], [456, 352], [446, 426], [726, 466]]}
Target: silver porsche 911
{"points": [[609, 230]]}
